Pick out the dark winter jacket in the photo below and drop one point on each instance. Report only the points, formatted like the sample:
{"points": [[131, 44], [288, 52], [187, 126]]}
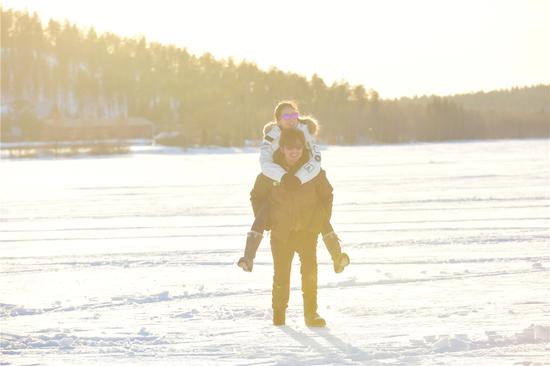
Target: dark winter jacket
{"points": [[304, 209]]}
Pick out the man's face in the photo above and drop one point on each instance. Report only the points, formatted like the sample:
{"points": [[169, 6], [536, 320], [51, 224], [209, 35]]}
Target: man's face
{"points": [[293, 152]]}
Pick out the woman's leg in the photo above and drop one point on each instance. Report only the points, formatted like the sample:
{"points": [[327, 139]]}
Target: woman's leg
{"points": [[262, 216], [254, 238], [326, 228], [256, 232], [332, 242]]}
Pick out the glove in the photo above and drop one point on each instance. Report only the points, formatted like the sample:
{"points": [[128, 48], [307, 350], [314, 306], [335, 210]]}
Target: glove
{"points": [[290, 182]]}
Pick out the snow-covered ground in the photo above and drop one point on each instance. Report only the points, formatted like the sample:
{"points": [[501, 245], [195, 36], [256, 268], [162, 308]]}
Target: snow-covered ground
{"points": [[131, 260]]}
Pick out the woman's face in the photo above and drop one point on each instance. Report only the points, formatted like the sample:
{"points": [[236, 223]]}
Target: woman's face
{"points": [[288, 118], [293, 152]]}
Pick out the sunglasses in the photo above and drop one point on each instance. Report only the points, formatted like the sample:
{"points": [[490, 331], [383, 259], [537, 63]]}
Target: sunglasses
{"points": [[289, 116]]}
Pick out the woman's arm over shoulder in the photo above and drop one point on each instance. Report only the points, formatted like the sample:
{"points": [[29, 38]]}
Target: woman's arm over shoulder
{"points": [[260, 192], [272, 133], [312, 168]]}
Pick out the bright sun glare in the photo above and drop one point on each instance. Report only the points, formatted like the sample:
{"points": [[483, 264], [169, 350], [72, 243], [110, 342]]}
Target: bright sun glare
{"points": [[395, 47]]}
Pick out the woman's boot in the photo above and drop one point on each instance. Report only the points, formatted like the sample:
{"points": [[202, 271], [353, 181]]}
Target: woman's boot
{"points": [[340, 260], [253, 241]]}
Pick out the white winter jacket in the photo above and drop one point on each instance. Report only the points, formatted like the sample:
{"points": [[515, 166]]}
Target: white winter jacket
{"points": [[272, 134]]}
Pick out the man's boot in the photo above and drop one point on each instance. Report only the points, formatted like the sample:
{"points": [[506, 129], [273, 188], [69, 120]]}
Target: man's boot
{"points": [[314, 320], [253, 240], [340, 260], [279, 299], [311, 317], [309, 290]]}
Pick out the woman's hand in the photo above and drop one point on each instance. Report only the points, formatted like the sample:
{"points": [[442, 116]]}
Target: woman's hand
{"points": [[290, 182]]}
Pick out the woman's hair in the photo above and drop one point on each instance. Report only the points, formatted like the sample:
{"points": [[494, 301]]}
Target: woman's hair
{"points": [[281, 105], [312, 124]]}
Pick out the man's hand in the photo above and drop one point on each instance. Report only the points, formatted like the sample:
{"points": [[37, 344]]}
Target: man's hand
{"points": [[290, 182]]}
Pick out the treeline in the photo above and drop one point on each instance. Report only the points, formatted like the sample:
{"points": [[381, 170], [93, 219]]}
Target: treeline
{"points": [[61, 71]]}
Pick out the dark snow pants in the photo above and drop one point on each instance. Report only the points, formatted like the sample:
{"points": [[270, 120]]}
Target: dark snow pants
{"points": [[305, 244]]}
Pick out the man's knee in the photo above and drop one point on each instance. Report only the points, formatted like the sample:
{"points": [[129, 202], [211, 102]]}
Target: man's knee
{"points": [[309, 277], [308, 268], [281, 277]]}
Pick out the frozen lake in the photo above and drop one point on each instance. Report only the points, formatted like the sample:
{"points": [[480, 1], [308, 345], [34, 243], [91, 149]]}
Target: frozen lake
{"points": [[131, 259]]}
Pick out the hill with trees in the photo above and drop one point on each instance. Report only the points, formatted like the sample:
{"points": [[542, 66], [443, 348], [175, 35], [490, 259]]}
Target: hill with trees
{"points": [[60, 71]]}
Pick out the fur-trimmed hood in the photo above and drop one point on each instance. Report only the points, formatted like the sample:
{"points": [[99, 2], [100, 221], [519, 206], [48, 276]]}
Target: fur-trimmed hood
{"points": [[312, 125]]}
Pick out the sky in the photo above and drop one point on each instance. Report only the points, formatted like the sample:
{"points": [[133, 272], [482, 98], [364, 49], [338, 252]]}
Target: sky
{"points": [[396, 47]]}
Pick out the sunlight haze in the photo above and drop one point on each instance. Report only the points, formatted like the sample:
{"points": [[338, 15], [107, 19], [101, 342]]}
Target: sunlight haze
{"points": [[398, 48]]}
